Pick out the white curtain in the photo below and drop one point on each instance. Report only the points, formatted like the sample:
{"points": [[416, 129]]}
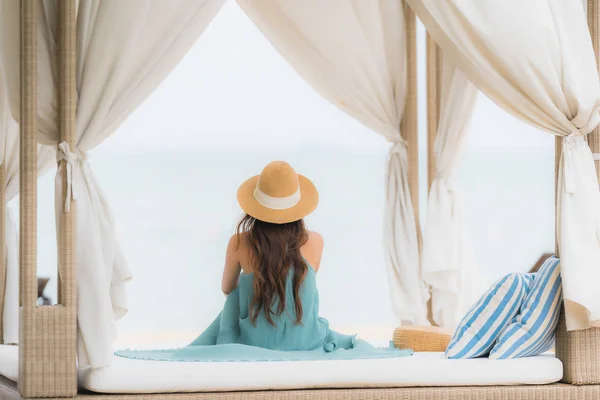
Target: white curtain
{"points": [[125, 49], [353, 53], [9, 153], [448, 261], [535, 59]]}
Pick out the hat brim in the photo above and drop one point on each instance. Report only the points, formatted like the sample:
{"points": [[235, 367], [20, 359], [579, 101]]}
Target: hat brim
{"points": [[309, 199]]}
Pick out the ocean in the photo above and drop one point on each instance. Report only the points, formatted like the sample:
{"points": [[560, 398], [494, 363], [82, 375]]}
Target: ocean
{"points": [[175, 212]]}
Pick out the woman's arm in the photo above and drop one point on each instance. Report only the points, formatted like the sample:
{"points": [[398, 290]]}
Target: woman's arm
{"points": [[231, 272]]}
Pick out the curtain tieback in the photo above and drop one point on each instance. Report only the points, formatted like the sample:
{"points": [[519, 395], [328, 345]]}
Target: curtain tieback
{"points": [[570, 143], [71, 161], [399, 146]]}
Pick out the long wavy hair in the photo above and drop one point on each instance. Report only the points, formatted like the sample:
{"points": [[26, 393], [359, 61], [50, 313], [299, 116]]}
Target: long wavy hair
{"points": [[274, 249]]}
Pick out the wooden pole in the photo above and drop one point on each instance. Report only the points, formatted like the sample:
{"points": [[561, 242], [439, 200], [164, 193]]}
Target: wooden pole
{"points": [[434, 79], [409, 126], [67, 124], [28, 354], [434, 94], [48, 334]]}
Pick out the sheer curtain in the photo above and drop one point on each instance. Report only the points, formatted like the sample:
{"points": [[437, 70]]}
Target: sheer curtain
{"points": [[353, 53], [125, 50], [535, 59], [448, 261]]}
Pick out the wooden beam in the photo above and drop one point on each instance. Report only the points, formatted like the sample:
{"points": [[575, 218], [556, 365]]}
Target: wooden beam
{"points": [[434, 94], [409, 126]]}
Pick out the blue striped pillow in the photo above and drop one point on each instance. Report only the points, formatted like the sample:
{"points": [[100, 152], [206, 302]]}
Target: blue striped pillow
{"points": [[533, 331], [485, 321]]}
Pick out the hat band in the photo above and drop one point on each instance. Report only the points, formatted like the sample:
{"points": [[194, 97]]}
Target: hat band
{"points": [[276, 203]]}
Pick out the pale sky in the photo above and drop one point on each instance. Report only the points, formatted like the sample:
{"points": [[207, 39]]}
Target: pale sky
{"points": [[233, 91]]}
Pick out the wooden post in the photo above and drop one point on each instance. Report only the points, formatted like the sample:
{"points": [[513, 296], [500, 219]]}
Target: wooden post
{"points": [[67, 125], [434, 79], [409, 126], [28, 352], [48, 334], [434, 95]]}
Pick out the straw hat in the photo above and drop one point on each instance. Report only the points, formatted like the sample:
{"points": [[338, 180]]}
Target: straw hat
{"points": [[278, 195]]}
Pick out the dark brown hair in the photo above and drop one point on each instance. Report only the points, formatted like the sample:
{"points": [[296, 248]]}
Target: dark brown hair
{"points": [[274, 249]]}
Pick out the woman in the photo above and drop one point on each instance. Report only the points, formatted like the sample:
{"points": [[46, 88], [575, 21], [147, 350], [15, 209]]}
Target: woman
{"points": [[278, 259], [272, 307]]}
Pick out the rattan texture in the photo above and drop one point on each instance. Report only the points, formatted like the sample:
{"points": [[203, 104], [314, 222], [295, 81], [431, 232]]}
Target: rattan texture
{"points": [[48, 334], [422, 338], [536, 392], [579, 352]]}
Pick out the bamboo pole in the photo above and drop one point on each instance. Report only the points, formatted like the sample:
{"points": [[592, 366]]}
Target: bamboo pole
{"points": [[47, 350], [409, 126], [434, 94]]}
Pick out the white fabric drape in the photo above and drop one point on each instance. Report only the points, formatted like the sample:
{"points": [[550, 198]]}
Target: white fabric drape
{"points": [[125, 49], [535, 59], [353, 53], [9, 153], [448, 261]]}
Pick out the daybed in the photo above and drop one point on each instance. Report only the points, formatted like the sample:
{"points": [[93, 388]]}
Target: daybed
{"points": [[45, 366]]}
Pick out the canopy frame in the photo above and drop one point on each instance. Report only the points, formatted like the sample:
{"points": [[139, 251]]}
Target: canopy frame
{"points": [[47, 334]]}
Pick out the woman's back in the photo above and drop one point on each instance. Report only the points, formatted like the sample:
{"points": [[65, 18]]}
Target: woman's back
{"points": [[285, 333], [311, 251], [283, 330]]}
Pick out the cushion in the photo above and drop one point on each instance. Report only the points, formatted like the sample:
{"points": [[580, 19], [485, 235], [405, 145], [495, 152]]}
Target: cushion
{"points": [[422, 369], [533, 331], [422, 338], [477, 332]]}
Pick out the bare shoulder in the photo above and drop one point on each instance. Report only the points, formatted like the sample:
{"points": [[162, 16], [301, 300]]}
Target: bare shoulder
{"points": [[316, 238], [239, 248], [313, 249], [235, 242]]}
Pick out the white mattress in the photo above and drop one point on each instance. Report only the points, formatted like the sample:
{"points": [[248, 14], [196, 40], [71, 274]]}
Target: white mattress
{"points": [[421, 369]]}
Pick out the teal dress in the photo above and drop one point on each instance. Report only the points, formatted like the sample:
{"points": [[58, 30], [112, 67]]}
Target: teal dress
{"points": [[232, 336]]}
